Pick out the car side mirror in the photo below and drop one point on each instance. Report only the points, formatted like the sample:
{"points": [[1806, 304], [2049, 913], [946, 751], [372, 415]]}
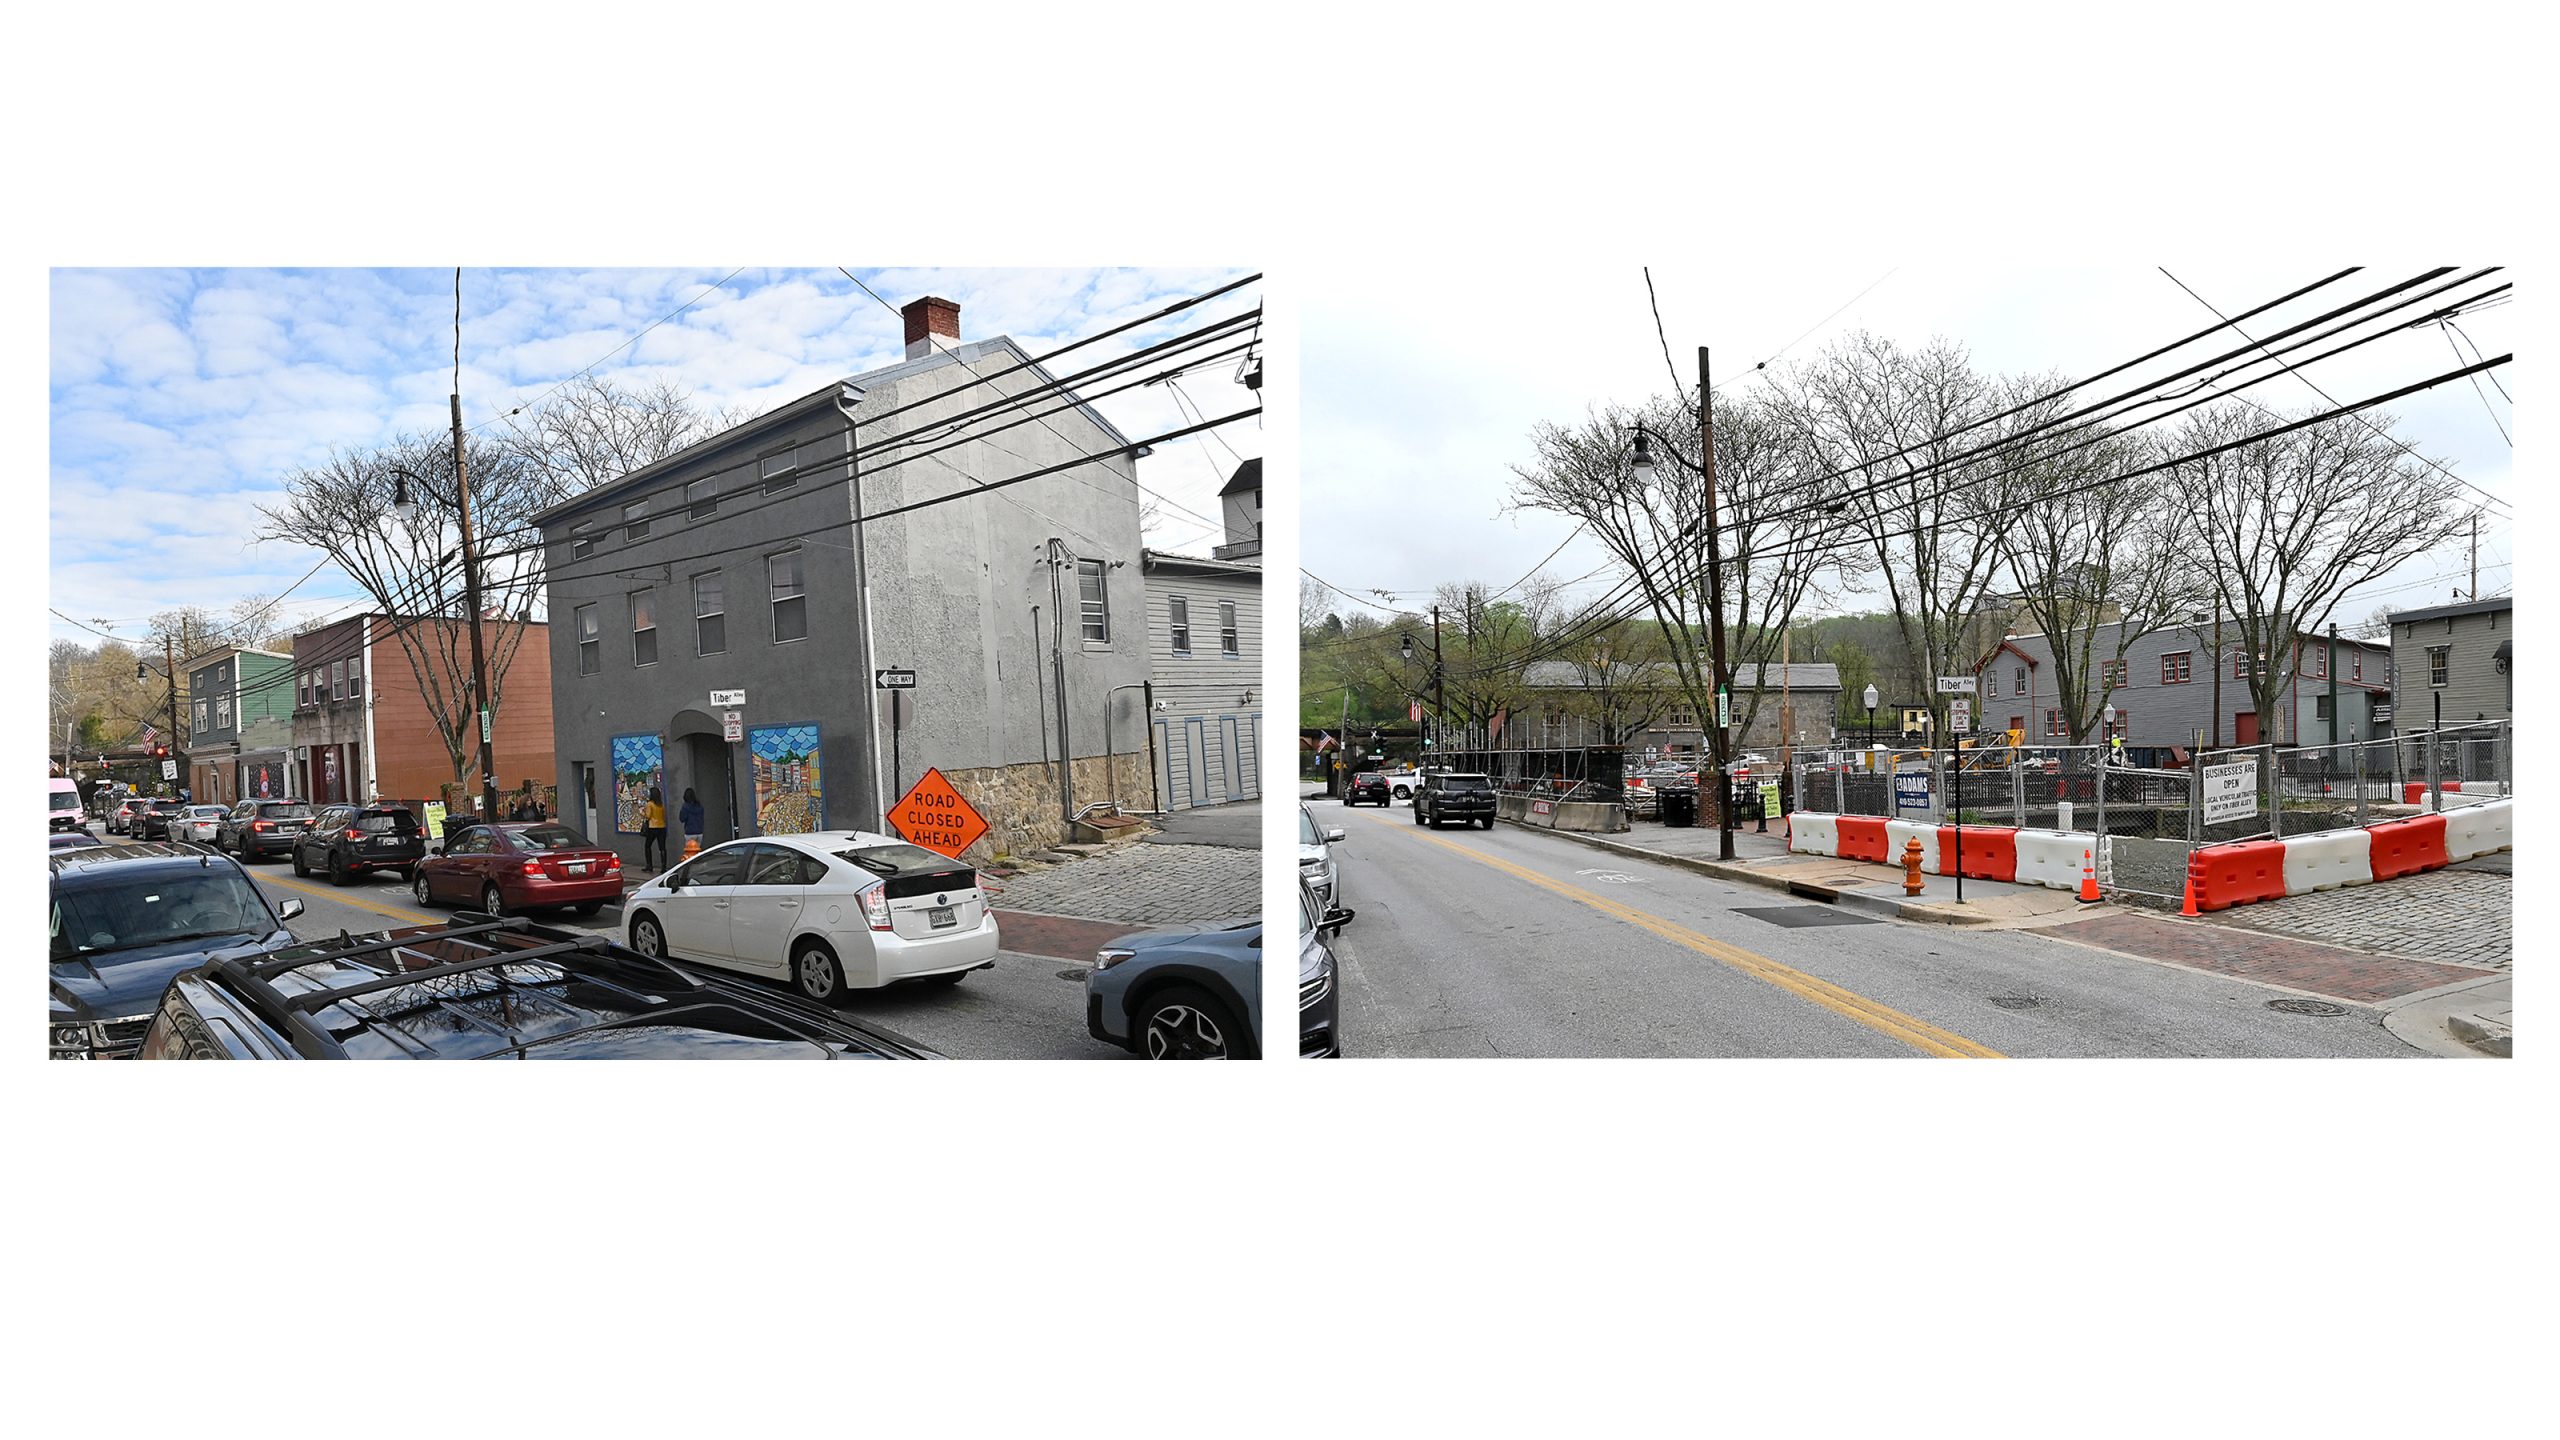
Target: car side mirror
{"points": [[674, 881], [1335, 918], [1333, 837], [289, 909]]}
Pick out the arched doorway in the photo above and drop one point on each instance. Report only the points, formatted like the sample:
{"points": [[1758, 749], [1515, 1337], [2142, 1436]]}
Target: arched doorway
{"points": [[698, 758]]}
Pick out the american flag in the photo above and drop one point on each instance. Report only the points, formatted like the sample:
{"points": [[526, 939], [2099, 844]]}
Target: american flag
{"points": [[1324, 741], [150, 735]]}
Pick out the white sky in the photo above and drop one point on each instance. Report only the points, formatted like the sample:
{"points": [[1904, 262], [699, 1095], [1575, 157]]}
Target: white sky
{"points": [[1420, 396]]}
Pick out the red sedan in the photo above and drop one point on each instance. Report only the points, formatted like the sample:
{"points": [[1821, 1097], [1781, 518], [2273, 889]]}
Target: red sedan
{"points": [[531, 865]]}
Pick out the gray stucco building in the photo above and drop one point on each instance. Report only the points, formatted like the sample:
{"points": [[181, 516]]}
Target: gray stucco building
{"points": [[2461, 657], [2164, 693], [735, 565]]}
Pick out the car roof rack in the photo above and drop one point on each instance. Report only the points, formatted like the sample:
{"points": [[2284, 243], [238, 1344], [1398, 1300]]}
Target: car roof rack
{"points": [[312, 1000]]}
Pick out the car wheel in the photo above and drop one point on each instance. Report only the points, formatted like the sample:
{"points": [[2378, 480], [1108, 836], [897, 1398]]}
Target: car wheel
{"points": [[816, 972], [493, 901], [1181, 1022], [1417, 814], [339, 874], [1488, 822], [418, 890], [647, 938], [300, 870]]}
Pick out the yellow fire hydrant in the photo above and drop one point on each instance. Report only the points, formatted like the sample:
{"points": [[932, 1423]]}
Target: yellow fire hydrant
{"points": [[1911, 866]]}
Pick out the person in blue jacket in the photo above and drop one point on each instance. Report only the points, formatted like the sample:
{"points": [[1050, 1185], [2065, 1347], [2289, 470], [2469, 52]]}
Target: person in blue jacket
{"points": [[690, 817]]}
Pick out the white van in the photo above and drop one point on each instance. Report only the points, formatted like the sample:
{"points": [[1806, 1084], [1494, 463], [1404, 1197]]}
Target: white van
{"points": [[65, 799]]}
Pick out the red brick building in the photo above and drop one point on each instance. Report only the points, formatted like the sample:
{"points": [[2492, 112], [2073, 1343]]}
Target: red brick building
{"points": [[362, 726]]}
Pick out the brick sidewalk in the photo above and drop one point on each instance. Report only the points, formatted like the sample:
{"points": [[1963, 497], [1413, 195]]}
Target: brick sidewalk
{"points": [[1143, 885], [2295, 964]]}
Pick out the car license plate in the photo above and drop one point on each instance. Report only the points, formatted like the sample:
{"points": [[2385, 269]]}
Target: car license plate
{"points": [[577, 867], [940, 917]]}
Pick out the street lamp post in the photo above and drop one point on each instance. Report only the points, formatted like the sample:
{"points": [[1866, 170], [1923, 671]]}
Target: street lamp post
{"points": [[1871, 698], [405, 507]]}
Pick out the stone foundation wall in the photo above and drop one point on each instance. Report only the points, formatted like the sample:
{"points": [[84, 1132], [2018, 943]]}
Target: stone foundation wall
{"points": [[1020, 802]]}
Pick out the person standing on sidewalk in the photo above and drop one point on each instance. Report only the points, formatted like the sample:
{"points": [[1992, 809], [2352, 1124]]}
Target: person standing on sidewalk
{"points": [[690, 817], [653, 832]]}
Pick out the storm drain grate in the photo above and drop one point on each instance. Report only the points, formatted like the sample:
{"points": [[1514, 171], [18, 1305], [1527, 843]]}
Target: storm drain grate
{"points": [[2292, 1006], [1797, 917], [1075, 975], [2016, 1002]]}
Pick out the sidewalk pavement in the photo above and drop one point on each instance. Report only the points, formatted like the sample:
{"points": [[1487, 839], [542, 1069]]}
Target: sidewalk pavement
{"points": [[2464, 1020], [1762, 859]]}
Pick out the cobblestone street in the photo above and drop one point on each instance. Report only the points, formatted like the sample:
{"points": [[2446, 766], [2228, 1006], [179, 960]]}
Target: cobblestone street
{"points": [[2464, 915], [1145, 885]]}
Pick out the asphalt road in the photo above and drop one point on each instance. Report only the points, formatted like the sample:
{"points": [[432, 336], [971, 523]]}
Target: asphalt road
{"points": [[1019, 1010], [1514, 943]]}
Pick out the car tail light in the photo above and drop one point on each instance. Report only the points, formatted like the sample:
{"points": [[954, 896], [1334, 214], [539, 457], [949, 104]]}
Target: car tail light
{"points": [[262, 824], [533, 867], [875, 905], [355, 834], [612, 863]]}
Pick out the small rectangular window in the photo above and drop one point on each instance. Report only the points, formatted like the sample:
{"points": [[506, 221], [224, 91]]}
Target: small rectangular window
{"points": [[635, 520], [2355, 666], [776, 469], [2053, 722], [355, 677], [1181, 616], [1094, 599], [222, 712], [1229, 643], [201, 725], [2021, 678], [302, 690], [644, 627], [2319, 707], [582, 547], [701, 499], [337, 679], [590, 641], [2439, 664], [2319, 662], [790, 600], [710, 619]]}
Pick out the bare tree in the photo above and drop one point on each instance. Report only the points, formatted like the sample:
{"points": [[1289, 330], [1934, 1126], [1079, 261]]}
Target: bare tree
{"points": [[1621, 672], [412, 570], [1486, 655], [1654, 522], [1899, 428], [2293, 522], [2099, 563], [592, 431]]}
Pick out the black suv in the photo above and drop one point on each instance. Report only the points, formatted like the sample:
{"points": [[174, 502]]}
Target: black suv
{"points": [[1448, 796], [345, 840], [483, 988], [128, 917], [256, 828], [151, 821], [1366, 786]]}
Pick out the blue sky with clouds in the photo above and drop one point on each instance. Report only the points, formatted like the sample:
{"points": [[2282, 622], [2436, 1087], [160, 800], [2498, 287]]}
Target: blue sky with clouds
{"points": [[181, 399]]}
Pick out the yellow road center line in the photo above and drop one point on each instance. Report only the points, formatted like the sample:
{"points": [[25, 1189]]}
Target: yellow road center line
{"points": [[344, 898], [1883, 1019]]}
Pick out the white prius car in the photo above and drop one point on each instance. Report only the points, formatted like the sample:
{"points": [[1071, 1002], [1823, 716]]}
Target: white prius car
{"points": [[831, 911]]}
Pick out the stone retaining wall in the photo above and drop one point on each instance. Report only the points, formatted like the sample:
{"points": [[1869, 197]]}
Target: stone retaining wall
{"points": [[1020, 802]]}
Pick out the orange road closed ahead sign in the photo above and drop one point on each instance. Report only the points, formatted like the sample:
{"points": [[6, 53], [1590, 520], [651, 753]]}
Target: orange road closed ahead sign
{"points": [[935, 816]]}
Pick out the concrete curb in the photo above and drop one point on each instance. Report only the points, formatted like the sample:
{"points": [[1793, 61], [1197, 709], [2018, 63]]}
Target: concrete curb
{"points": [[2448, 1020], [1888, 906], [2484, 1036]]}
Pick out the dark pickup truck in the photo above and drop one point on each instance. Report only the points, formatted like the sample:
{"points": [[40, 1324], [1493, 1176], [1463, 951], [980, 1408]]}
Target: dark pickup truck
{"points": [[1447, 796]]}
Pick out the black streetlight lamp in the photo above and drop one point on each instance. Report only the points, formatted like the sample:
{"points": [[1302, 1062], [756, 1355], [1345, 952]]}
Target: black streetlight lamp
{"points": [[406, 508], [1871, 698]]}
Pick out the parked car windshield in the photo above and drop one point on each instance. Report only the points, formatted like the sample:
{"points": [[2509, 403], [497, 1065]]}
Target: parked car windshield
{"points": [[66, 800], [383, 822], [157, 909], [1307, 828], [289, 810], [546, 837]]}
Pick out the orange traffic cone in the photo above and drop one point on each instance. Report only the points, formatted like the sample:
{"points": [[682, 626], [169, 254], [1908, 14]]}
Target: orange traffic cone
{"points": [[2088, 879], [2189, 908]]}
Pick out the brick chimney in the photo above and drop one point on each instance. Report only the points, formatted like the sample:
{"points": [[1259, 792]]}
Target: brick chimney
{"points": [[933, 323]]}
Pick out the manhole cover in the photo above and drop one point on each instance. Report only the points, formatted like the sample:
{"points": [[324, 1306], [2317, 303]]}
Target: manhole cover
{"points": [[1075, 975], [2016, 1002], [2292, 1006], [1797, 917]]}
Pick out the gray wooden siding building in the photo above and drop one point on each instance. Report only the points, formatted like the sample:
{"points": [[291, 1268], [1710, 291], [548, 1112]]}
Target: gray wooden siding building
{"points": [[1204, 644], [2461, 657], [2165, 694]]}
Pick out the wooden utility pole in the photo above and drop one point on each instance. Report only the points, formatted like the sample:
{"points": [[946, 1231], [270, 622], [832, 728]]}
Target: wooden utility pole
{"points": [[480, 696], [1439, 685], [169, 659], [1721, 746]]}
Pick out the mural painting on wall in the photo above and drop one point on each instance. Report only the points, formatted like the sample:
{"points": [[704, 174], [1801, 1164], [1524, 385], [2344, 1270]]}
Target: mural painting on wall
{"points": [[789, 799], [639, 765], [263, 782]]}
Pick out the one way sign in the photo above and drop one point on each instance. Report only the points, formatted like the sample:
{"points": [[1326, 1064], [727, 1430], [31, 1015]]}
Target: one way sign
{"points": [[893, 679]]}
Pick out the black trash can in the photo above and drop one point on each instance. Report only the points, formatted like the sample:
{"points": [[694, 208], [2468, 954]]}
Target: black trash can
{"points": [[1679, 806]]}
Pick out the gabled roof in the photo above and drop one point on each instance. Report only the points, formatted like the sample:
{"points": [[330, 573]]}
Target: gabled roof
{"points": [[1248, 477]]}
